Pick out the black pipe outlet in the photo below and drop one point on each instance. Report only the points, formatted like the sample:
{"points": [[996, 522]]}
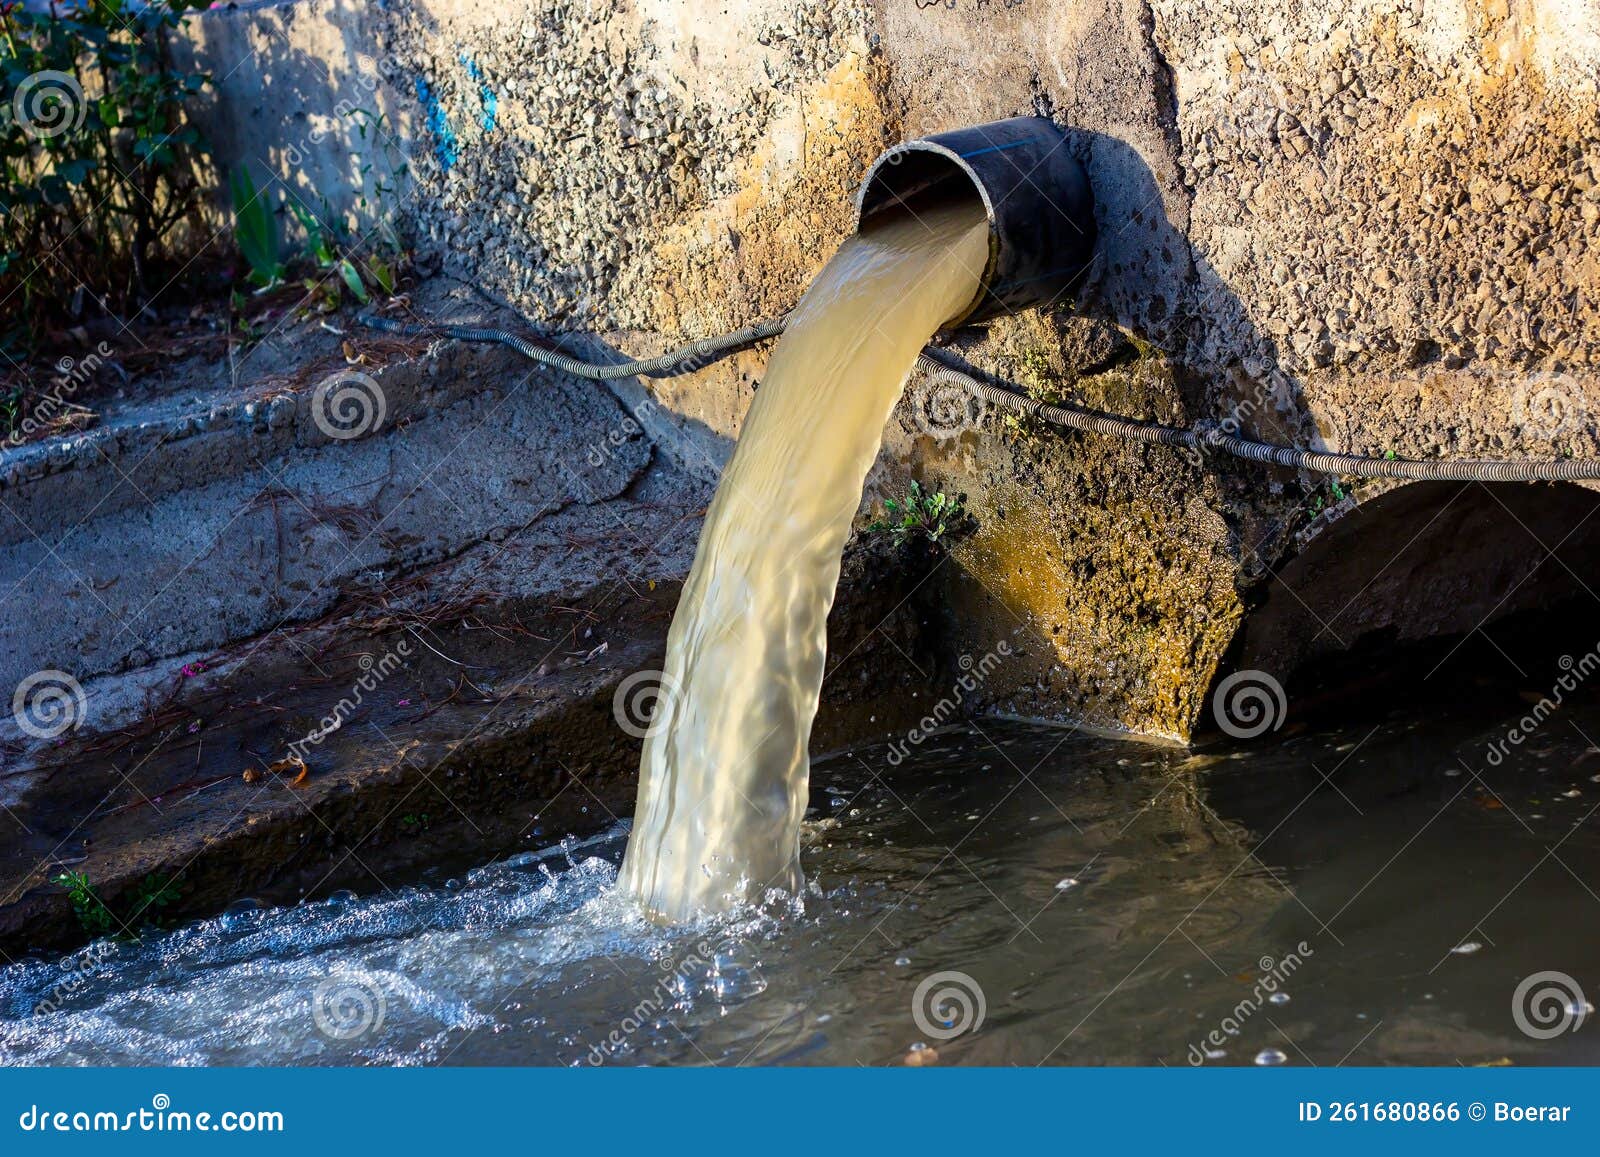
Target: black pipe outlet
{"points": [[1041, 212]]}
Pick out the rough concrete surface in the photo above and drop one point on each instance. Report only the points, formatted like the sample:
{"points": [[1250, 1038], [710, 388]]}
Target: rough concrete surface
{"points": [[1366, 227]]}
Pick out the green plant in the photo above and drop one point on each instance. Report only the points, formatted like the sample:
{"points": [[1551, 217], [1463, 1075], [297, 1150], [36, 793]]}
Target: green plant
{"points": [[255, 228], [99, 155], [934, 517], [95, 916], [152, 895]]}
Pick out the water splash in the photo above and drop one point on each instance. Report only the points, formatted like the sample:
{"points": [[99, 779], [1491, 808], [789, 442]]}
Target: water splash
{"points": [[398, 978]]}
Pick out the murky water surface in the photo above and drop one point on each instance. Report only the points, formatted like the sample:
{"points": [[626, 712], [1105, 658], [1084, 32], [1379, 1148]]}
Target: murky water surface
{"points": [[1354, 896]]}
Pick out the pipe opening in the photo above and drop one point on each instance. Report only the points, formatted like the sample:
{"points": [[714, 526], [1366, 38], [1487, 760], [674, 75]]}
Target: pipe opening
{"points": [[1034, 193]]}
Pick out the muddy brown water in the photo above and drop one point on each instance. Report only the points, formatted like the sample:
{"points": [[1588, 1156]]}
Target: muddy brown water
{"points": [[722, 779], [1101, 902]]}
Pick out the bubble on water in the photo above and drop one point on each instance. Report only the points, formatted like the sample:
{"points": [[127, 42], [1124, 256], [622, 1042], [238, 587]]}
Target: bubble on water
{"points": [[1278, 998], [239, 914], [1271, 1057], [342, 896], [1467, 948]]}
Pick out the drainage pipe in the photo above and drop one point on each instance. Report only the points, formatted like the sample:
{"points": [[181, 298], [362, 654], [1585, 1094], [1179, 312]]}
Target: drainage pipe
{"points": [[1034, 192]]}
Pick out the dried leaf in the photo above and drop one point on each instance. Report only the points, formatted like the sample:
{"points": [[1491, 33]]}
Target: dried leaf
{"points": [[291, 765]]}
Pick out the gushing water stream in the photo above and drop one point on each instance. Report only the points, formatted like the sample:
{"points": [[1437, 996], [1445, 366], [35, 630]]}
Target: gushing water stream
{"points": [[724, 773]]}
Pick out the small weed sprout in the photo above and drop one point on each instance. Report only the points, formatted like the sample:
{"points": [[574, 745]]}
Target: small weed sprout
{"points": [[934, 517], [95, 916]]}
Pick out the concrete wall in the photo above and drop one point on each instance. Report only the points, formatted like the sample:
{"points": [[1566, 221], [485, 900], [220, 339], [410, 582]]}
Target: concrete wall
{"points": [[1367, 226]]}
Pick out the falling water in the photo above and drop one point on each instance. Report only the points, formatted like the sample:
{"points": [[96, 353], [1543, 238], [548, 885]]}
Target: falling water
{"points": [[723, 778]]}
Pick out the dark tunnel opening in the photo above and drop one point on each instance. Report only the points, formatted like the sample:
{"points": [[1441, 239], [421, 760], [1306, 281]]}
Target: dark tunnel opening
{"points": [[1470, 595]]}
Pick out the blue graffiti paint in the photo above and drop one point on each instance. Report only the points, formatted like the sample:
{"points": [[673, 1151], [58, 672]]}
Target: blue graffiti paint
{"points": [[445, 147], [486, 95]]}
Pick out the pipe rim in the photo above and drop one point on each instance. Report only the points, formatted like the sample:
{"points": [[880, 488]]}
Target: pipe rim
{"points": [[889, 157]]}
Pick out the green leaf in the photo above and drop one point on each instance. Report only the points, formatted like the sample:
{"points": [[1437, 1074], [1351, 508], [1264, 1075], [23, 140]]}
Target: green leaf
{"points": [[255, 229], [381, 273], [75, 171], [353, 279]]}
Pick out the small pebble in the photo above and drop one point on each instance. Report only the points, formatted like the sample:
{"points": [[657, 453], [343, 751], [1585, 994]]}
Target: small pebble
{"points": [[921, 1055]]}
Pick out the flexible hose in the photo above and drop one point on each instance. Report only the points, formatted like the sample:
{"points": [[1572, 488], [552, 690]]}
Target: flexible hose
{"points": [[699, 354], [1358, 465], [683, 360]]}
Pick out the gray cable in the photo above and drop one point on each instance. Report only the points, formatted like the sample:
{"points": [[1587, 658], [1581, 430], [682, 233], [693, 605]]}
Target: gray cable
{"points": [[697, 355], [683, 360]]}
